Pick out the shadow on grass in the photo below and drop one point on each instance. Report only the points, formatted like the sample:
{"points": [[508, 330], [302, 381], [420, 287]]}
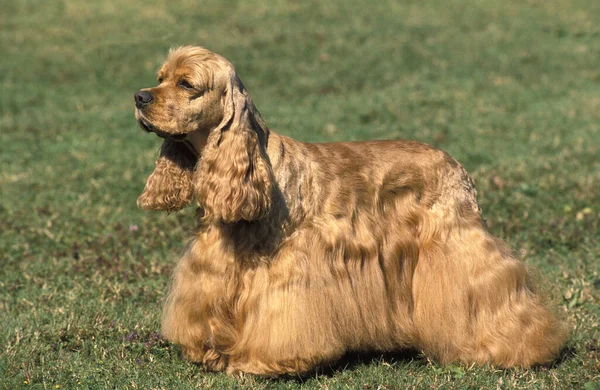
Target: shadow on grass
{"points": [[566, 354], [351, 361]]}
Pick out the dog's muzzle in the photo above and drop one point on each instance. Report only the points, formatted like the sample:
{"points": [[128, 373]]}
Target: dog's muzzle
{"points": [[142, 100]]}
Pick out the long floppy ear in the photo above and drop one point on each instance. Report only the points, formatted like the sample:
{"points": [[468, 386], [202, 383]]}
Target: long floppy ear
{"points": [[169, 187], [233, 180]]}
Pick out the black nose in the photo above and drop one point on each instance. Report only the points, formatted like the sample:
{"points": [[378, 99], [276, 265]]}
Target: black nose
{"points": [[142, 98]]}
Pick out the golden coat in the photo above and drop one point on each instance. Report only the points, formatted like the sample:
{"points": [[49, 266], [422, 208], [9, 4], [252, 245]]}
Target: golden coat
{"points": [[307, 251]]}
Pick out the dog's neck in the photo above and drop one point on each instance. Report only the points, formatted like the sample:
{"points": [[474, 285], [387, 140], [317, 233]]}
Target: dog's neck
{"points": [[196, 141]]}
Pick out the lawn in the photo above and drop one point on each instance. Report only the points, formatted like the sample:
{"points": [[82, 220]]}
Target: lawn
{"points": [[510, 88]]}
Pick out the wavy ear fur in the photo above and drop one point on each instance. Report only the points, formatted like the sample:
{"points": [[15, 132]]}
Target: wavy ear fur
{"points": [[233, 180], [169, 187]]}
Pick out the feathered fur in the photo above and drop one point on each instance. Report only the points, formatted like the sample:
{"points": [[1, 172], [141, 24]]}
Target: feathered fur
{"points": [[308, 251]]}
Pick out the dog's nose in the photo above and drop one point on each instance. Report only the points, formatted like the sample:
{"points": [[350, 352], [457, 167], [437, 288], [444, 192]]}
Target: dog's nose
{"points": [[142, 98]]}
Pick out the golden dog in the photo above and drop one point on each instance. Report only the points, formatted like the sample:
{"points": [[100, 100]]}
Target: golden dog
{"points": [[307, 251]]}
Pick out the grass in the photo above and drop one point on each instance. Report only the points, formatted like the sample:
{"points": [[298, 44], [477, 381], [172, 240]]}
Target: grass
{"points": [[511, 89]]}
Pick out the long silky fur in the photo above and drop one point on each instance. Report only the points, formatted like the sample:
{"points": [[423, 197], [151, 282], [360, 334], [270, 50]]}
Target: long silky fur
{"points": [[308, 251]]}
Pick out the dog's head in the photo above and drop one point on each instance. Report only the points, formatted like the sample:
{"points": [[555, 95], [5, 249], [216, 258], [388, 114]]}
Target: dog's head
{"points": [[190, 95], [215, 139]]}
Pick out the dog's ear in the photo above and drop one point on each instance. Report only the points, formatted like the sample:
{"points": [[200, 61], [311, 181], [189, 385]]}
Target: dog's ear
{"points": [[233, 180], [169, 187]]}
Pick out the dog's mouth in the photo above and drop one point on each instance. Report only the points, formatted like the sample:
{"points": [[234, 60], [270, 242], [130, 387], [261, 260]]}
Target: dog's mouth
{"points": [[150, 128]]}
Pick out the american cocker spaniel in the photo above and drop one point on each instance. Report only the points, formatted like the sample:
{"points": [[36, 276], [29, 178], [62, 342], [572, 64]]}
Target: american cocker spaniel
{"points": [[307, 251]]}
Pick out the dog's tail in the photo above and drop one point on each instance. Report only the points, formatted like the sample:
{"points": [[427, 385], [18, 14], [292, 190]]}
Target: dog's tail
{"points": [[474, 302]]}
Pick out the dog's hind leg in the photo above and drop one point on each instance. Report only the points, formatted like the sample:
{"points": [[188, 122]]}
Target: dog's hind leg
{"points": [[474, 302]]}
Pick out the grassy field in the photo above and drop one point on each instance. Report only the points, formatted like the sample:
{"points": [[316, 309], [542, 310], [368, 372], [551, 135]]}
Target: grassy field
{"points": [[510, 88]]}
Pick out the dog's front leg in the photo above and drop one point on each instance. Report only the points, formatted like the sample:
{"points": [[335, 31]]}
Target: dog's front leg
{"points": [[197, 316]]}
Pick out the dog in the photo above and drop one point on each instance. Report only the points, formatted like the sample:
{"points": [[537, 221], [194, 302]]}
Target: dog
{"points": [[305, 252]]}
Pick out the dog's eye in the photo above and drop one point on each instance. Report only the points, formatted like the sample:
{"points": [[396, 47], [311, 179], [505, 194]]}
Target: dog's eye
{"points": [[160, 80], [185, 84]]}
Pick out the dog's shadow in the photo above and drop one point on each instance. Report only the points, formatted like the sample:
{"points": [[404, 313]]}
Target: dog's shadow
{"points": [[353, 360], [566, 354]]}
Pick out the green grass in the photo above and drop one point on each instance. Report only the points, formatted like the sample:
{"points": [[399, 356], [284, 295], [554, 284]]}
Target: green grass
{"points": [[510, 88]]}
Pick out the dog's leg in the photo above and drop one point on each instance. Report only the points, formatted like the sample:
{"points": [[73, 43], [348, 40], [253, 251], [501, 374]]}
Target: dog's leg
{"points": [[195, 315], [209, 358], [287, 326], [474, 303]]}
